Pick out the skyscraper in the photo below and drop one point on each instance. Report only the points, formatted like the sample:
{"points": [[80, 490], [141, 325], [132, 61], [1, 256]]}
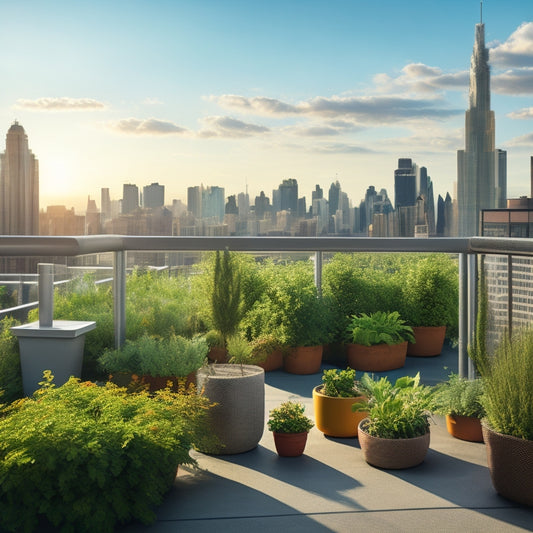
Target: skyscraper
{"points": [[405, 183], [153, 196], [130, 198], [19, 185], [481, 168]]}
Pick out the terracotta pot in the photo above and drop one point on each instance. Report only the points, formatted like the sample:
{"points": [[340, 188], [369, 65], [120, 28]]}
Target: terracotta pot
{"points": [[290, 444], [274, 361], [464, 427], [510, 462], [429, 341], [377, 358], [392, 453], [218, 355], [334, 416], [303, 360]]}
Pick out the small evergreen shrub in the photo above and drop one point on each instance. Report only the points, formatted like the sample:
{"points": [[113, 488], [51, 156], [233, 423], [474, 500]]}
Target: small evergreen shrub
{"points": [[289, 417], [88, 458]]}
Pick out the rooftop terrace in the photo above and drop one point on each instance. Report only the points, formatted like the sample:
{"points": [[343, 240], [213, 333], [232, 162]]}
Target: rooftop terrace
{"points": [[331, 487]]}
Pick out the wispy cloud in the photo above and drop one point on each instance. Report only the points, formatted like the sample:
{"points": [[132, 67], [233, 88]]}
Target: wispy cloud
{"points": [[525, 113], [151, 126], [358, 109], [230, 127], [515, 82], [524, 140], [60, 104], [516, 51]]}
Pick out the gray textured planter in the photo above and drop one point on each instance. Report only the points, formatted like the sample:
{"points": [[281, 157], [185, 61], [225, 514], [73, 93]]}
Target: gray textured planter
{"points": [[239, 418], [58, 348]]}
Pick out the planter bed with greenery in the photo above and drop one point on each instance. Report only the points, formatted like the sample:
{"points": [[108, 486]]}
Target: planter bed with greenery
{"points": [[86, 458]]}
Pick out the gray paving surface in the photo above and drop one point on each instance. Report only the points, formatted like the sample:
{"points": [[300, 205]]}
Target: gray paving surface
{"points": [[331, 488]]}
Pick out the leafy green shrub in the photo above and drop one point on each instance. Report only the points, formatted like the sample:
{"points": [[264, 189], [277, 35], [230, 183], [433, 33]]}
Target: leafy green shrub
{"points": [[458, 396], [10, 375], [431, 293], [398, 411], [289, 417], [87, 458], [378, 328], [339, 383], [508, 385], [173, 356]]}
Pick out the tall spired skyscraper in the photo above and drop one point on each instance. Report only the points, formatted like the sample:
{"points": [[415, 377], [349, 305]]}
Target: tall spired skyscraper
{"points": [[481, 168], [19, 185]]}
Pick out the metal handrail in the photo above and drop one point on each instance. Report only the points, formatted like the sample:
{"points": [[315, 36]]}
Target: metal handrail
{"points": [[467, 248]]}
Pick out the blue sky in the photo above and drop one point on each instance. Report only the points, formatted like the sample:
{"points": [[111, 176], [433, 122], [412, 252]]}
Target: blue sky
{"points": [[231, 93]]}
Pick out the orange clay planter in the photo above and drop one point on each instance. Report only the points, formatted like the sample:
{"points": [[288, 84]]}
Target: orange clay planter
{"points": [[377, 358], [464, 427], [303, 360], [274, 361], [334, 416], [290, 444], [429, 341]]}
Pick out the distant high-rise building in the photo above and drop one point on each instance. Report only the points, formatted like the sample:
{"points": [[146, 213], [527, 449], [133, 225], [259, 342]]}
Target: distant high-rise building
{"points": [[213, 203], [194, 201], [105, 201], [92, 218], [481, 168], [288, 191], [262, 206], [130, 198], [19, 185], [334, 195], [405, 185], [153, 196]]}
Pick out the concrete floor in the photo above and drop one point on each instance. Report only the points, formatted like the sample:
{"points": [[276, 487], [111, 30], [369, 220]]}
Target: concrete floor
{"points": [[332, 489]]}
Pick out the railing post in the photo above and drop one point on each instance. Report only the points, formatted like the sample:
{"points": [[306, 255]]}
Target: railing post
{"points": [[318, 273], [462, 348], [46, 294], [472, 307], [119, 297]]}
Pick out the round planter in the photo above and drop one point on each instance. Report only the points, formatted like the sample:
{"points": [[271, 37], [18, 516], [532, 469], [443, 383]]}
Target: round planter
{"points": [[274, 361], [429, 341], [238, 419], [464, 427], [510, 462], [303, 360], [290, 444], [377, 358], [392, 454], [334, 416]]}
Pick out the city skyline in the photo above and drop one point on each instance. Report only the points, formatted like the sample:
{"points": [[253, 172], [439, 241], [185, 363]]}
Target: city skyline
{"points": [[236, 95]]}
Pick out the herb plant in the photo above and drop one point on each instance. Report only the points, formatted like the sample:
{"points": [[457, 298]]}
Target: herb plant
{"points": [[289, 417], [87, 458], [398, 411], [174, 356], [378, 328], [458, 396], [339, 383]]}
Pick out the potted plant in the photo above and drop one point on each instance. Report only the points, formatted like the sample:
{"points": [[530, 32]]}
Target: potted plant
{"points": [[332, 403], [267, 352], [377, 342], [238, 391], [157, 361], [431, 301], [507, 378], [290, 427], [459, 400], [396, 433]]}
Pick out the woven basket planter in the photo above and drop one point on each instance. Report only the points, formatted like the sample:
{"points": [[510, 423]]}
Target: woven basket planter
{"points": [[238, 419], [429, 341], [392, 454], [334, 416], [377, 358], [510, 462]]}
